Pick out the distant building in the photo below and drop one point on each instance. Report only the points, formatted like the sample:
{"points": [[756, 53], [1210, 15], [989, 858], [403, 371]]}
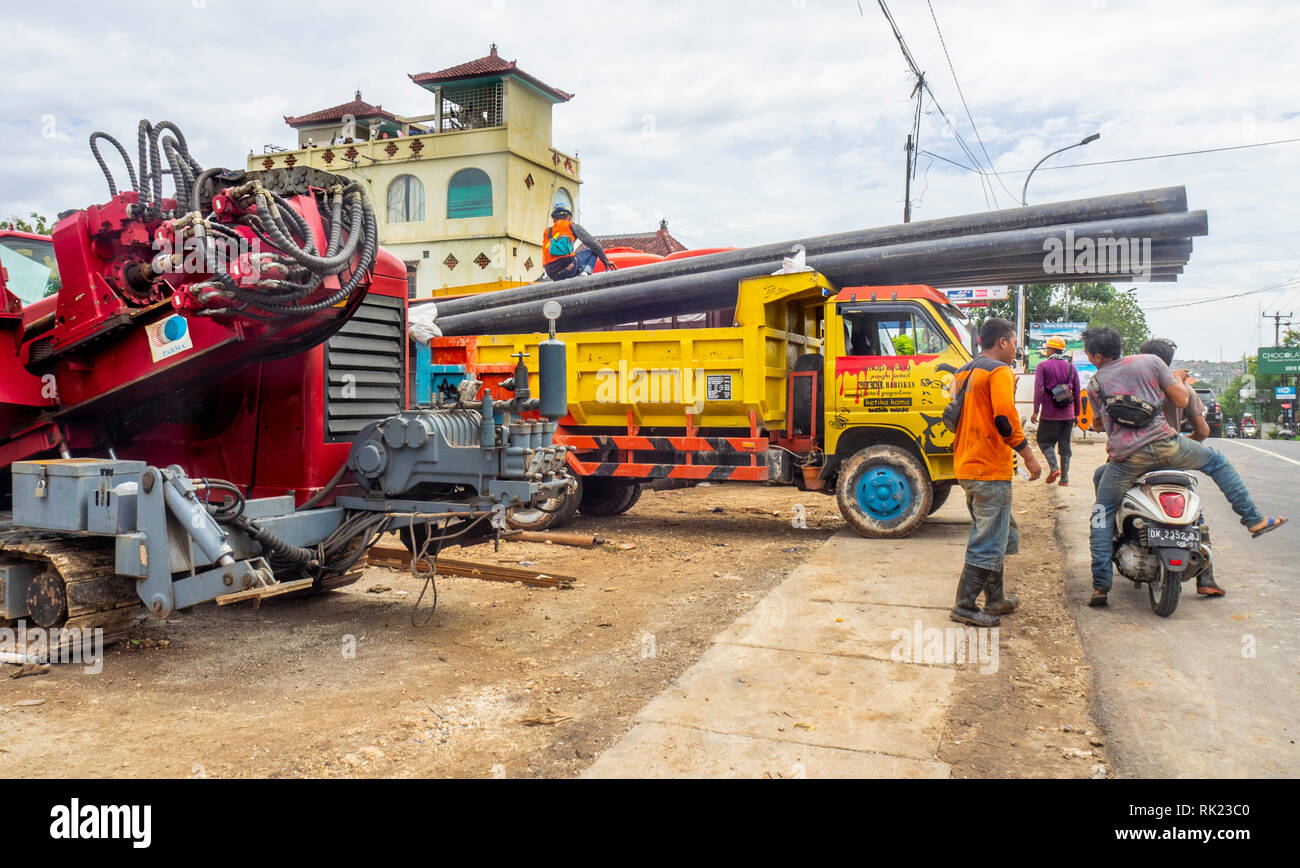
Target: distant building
{"points": [[660, 243], [462, 195]]}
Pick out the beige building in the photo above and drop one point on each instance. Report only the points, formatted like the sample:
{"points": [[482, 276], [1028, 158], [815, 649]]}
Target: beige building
{"points": [[462, 194]]}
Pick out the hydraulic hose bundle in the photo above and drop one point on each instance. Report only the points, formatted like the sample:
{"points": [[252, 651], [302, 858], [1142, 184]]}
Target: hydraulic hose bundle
{"points": [[219, 214]]}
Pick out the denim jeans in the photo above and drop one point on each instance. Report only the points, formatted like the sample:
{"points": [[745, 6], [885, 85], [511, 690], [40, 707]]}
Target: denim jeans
{"points": [[993, 532], [1115, 478], [583, 260]]}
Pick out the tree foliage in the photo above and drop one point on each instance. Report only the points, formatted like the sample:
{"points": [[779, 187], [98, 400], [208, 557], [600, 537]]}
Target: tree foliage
{"points": [[1098, 304], [1263, 403], [36, 223]]}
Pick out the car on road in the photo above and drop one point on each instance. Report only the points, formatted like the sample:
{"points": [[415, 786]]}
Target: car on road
{"points": [[1213, 412]]}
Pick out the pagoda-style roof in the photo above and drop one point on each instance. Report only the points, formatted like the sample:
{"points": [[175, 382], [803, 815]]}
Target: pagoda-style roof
{"points": [[357, 108], [660, 242], [490, 66]]}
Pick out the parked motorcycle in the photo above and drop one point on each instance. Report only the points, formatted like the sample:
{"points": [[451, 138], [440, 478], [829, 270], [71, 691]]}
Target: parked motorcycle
{"points": [[1160, 536]]}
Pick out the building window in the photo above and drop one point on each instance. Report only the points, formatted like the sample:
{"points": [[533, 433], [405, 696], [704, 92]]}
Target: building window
{"points": [[405, 200], [410, 280], [473, 107], [469, 194], [562, 195]]}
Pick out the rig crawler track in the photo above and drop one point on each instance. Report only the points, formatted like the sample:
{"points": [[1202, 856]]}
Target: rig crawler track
{"points": [[78, 589]]}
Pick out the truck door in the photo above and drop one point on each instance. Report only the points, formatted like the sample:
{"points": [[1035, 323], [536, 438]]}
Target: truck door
{"points": [[893, 363]]}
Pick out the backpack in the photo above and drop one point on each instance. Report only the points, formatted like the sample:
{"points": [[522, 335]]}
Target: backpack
{"points": [[952, 412]]}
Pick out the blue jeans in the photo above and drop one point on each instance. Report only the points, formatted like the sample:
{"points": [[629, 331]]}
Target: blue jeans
{"points": [[583, 260], [1115, 478], [993, 532]]}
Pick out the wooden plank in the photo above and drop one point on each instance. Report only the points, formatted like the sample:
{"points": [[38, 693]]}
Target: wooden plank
{"points": [[263, 591], [398, 557]]}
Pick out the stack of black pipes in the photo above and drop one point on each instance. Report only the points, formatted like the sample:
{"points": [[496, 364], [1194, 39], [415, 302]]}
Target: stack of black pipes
{"points": [[1144, 236]]}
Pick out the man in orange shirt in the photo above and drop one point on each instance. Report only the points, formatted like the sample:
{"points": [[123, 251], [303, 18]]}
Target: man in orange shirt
{"points": [[987, 435]]}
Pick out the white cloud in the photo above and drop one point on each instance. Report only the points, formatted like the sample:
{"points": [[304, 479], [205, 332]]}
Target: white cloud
{"points": [[770, 120]]}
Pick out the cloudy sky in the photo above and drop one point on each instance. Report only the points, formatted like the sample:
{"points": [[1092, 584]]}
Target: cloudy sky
{"points": [[740, 122]]}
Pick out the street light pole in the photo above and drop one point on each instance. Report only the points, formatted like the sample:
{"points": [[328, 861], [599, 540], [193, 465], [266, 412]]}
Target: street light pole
{"points": [[1024, 192]]}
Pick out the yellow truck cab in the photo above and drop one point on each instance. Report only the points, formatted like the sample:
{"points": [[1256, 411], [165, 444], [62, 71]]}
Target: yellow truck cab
{"points": [[838, 391]]}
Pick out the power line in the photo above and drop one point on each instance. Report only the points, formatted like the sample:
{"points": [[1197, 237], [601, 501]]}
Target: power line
{"points": [[923, 85], [1287, 284], [962, 95], [1121, 160]]}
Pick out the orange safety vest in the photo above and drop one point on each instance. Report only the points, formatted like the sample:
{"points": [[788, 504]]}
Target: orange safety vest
{"points": [[558, 241]]}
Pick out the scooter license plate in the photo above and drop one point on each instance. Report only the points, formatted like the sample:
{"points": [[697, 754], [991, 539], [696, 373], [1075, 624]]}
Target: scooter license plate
{"points": [[1178, 537]]}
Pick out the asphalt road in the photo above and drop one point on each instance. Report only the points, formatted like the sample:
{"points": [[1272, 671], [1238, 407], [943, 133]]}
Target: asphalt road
{"points": [[1213, 690]]}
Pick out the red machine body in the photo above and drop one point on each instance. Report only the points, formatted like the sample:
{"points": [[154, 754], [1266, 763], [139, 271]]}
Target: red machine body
{"points": [[162, 364]]}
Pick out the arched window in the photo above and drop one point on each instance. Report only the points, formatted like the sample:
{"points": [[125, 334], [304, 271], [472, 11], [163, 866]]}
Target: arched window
{"points": [[405, 200], [469, 194], [562, 195]]}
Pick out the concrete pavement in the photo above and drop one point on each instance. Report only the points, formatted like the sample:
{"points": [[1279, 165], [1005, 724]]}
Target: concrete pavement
{"points": [[804, 684], [1211, 691]]}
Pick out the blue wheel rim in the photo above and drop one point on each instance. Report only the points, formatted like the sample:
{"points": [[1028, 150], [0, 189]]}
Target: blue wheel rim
{"points": [[884, 493]]}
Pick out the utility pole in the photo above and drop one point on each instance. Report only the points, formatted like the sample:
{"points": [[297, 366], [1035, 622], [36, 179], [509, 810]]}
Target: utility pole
{"points": [[907, 184], [913, 144], [1288, 416], [1277, 325]]}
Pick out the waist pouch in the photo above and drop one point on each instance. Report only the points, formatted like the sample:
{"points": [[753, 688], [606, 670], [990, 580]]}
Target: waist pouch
{"points": [[1130, 411]]}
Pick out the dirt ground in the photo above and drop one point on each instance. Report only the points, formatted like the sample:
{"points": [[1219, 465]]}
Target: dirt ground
{"points": [[1034, 716], [506, 680]]}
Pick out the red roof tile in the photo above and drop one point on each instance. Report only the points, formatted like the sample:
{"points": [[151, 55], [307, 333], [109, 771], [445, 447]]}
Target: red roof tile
{"points": [[358, 108], [659, 243], [492, 64]]}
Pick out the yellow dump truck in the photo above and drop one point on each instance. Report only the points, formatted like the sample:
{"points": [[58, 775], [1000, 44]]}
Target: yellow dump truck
{"points": [[838, 391]]}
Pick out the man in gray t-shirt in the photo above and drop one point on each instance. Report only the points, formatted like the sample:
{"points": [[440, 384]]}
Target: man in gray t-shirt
{"points": [[1155, 445], [1144, 377]]}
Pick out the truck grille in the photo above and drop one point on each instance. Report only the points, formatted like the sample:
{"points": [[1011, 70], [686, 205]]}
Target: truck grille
{"points": [[363, 368]]}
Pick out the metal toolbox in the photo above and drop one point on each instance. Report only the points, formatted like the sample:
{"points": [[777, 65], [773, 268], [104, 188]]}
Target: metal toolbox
{"points": [[55, 494]]}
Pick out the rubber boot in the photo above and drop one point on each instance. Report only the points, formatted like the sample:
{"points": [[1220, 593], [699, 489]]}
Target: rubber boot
{"points": [[995, 601], [966, 609]]}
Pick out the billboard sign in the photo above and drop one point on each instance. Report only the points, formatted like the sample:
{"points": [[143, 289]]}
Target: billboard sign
{"points": [[1284, 393], [1279, 360], [976, 296]]}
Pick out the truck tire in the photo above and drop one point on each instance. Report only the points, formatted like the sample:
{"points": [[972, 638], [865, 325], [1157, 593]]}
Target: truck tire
{"points": [[884, 491], [604, 497], [941, 492], [556, 512]]}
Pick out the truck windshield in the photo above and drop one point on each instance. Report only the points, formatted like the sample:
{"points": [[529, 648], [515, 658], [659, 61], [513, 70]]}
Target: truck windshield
{"points": [[29, 263], [957, 321]]}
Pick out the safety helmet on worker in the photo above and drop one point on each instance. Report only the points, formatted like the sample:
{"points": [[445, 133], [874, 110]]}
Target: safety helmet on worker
{"points": [[561, 208], [1057, 343]]}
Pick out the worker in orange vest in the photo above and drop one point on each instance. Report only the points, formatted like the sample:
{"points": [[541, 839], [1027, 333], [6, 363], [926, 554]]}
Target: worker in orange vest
{"points": [[561, 256]]}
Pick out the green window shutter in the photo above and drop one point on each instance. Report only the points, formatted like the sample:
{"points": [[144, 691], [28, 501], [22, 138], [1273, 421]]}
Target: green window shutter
{"points": [[469, 194]]}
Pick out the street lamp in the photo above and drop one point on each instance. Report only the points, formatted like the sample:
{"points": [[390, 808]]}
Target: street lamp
{"points": [[1024, 191]]}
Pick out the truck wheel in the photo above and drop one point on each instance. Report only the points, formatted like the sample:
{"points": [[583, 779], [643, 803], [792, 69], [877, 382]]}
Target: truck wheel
{"points": [[556, 512], [941, 492], [603, 497], [884, 491]]}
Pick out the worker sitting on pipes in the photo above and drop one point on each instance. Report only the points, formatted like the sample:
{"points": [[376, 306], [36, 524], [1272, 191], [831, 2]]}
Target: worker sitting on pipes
{"points": [[559, 256]]}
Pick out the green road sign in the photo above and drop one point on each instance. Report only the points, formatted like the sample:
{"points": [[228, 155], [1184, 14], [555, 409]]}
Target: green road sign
{"points": [[1279, 360]]}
